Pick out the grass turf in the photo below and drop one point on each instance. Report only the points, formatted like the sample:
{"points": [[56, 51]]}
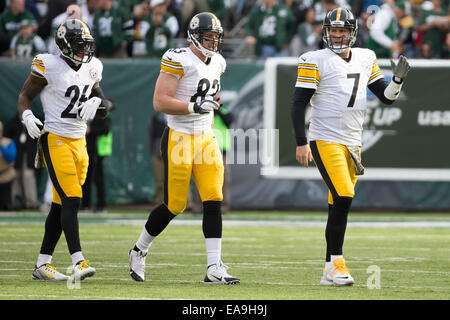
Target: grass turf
{"points": [[278, 261]]}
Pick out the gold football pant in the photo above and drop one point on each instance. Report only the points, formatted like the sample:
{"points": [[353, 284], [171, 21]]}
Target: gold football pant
{"points": [[186, 155], [67, 163], [336, 167]]}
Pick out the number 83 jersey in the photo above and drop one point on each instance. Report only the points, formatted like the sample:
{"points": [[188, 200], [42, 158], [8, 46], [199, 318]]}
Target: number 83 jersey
{"points": [[65, 91], [197, 81], [338, 106]]}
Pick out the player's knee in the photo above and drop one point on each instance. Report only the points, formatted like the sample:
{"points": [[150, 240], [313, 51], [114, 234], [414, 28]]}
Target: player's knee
{"points": [[176, 207], [343, 203], [71, 204]]}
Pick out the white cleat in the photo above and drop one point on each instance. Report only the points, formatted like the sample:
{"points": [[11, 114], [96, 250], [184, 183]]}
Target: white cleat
{"points": [[137, 264], [217, 274], [324, 281], [48, 272], [338, 274], [82, 270]]}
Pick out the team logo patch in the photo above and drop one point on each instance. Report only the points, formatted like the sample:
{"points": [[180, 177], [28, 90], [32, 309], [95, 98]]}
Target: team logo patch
{"points": [[195, 23], [61, 32], [93, 73]]}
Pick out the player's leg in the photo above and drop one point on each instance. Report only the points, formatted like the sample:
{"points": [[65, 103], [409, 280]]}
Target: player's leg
{"points": [[208, 173], [176, 152], [335, 166]]}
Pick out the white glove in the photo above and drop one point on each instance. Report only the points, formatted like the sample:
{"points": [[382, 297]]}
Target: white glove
{"points": [[89, 108], [205, 106], [31, 123]]}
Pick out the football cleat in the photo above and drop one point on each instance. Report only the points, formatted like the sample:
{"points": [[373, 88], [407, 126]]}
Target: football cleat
{"points": [[217, 274], [137, 264], [338, 274], [83, 270], [324, 281], [48, 272]]}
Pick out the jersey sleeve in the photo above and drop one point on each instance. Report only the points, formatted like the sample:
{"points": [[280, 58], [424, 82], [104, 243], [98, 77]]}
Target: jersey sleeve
{"points": [[173, 63], [38, 66], [97, 72], [376, 72], [307, 72]]}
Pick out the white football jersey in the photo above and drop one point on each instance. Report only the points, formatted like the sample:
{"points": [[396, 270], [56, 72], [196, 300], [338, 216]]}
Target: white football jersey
{"points": [[338, 106], [197, 81], [65, 91]]}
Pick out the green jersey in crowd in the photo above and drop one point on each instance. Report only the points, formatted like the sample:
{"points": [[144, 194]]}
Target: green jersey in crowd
{"points": [[10, 24], [433, 37]]}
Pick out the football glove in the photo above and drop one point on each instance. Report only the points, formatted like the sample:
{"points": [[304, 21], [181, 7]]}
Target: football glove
{"points": [[205, 106], [89, 108], [31, 123], [401, 69]]}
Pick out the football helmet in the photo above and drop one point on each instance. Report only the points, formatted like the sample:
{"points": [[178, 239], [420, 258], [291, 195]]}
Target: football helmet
{"points": [[201, 23], [339, 18], [75, 42]]}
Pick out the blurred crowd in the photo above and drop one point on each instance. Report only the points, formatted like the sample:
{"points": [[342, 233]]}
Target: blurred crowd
{"points": [[264, 28]]}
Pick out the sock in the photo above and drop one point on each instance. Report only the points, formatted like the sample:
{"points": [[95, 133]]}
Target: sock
{"points": [[43, 259], [212, 219], [335, 257], [336, 225], [158, 220], [327, 265], [53, 230], [69, 222], [77, 257], [144, 242], [213, 250]]}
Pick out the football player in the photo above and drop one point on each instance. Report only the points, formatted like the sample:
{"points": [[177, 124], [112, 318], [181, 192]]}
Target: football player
{"points": [[69, 89], [187, 90], [334, 81]]}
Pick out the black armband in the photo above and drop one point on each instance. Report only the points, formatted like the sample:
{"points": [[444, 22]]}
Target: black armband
{"points": [[300, 100]]}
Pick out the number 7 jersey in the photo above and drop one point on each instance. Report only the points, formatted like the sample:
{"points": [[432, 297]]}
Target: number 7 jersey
{"points": [[338, 106], [65, 91], [197, 81]]}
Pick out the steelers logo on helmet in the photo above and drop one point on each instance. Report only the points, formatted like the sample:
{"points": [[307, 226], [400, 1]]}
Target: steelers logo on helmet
{"points": [[200, 24], [61, 32]]}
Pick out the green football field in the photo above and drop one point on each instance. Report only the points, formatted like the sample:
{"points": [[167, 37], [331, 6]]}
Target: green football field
{"points": [[277, 255]]}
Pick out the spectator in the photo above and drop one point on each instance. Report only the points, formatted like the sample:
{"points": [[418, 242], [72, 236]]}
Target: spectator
{"points": [[54, 8], [10, 22], [433, 24], [111, 28], [96, 150], [24, 187], [156, 127], [384, 31], [308, 35], [7, 172], [26, 44], [407, 31], [159, 35], [73, 11], [191, 7], [237, 11], [270, 29]]}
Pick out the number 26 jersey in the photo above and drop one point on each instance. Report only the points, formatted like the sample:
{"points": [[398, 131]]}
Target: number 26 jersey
{"points": [[338, 106], [197, 81], [65, 91]]}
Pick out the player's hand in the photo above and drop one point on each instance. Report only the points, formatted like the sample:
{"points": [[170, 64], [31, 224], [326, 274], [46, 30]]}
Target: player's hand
{"points": [[401, 69], [303, 155], [31, 123], [89, 108], [206, 106]]}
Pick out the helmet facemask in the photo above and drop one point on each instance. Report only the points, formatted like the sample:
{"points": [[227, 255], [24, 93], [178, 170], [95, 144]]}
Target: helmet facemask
{"points": [[196, 34], [346, 41]]}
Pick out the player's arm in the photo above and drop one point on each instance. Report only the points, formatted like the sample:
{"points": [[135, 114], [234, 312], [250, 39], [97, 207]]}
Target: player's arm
{"points": [[164, 98], [105, 104], [300, 100], [31, 88], [388, 93]]}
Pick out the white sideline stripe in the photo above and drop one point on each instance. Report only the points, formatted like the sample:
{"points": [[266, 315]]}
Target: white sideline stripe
{"points": [[304, 224]]}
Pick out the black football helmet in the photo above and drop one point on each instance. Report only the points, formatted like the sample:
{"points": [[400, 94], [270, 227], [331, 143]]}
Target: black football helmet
{"points": [[74, 40], [340, 18], [201, 23]]}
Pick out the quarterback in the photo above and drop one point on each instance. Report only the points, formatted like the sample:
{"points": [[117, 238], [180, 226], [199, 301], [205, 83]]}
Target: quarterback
{"points": [[334, 81], [68, 85], [187, 90]]}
